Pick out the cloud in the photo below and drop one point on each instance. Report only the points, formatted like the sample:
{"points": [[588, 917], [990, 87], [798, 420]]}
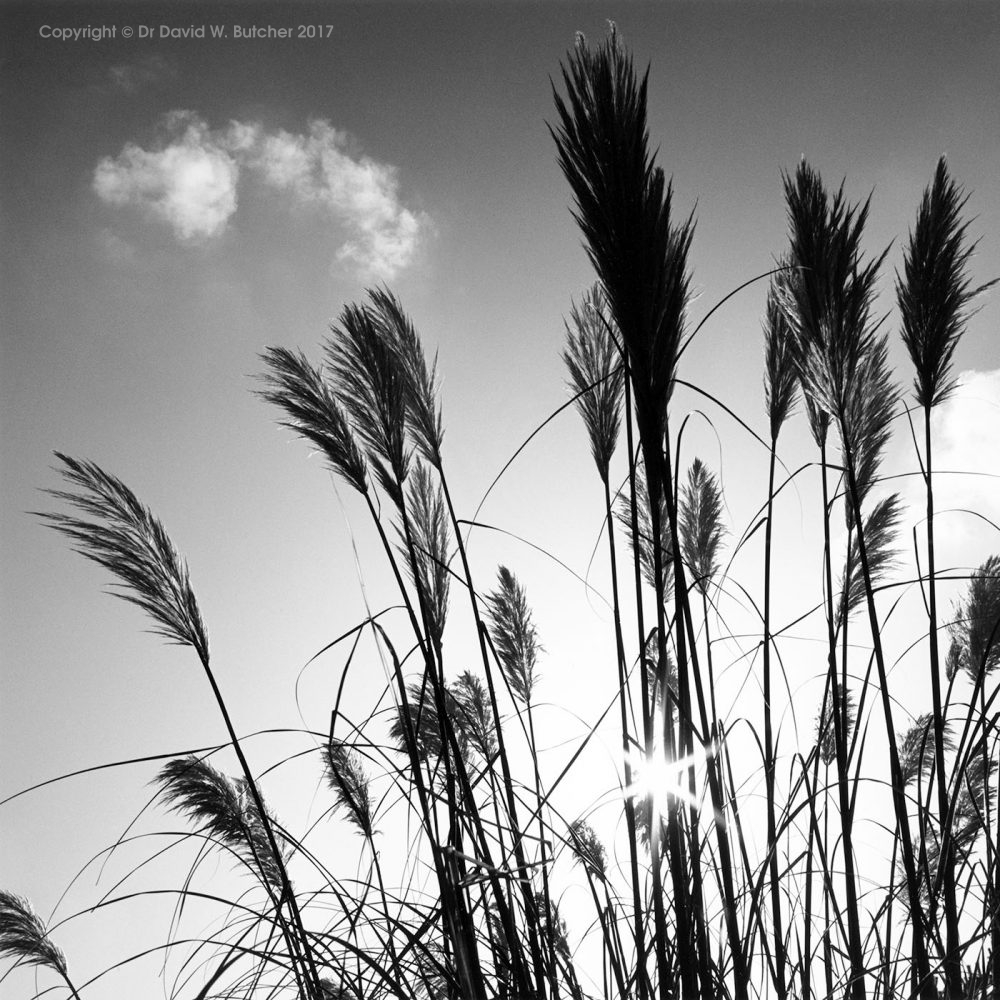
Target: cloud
{"points": [[190, 182], [965, 436], [362, 194]]}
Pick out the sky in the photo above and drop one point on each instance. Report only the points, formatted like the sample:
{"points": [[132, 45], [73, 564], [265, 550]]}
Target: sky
{"points": [[172, 205]]}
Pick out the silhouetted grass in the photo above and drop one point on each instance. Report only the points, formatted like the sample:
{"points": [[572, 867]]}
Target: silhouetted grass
{"points": [[736, 824]]}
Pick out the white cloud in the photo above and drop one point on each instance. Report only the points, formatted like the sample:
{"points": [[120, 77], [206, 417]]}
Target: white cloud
{"points": [[965, 436], [360, 193], [190, 182], [966, 439]]}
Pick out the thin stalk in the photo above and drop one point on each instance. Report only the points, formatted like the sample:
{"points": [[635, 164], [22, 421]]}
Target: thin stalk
{"points": [[992, 894], [953, 958], [550, 936], [855, 952], [629, 804], [393, 957], [69, 985], [659, 918], [657, 486], [769, 755], [696, 871], [805, 981], [827, 951], [685, 623]]}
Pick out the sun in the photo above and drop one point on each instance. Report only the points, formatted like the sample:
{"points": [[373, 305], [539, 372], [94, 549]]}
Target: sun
{"points": [[660, 778]]}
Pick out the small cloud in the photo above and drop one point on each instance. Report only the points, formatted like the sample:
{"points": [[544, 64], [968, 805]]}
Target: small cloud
{"points": [[189, 182], [145, 72]]}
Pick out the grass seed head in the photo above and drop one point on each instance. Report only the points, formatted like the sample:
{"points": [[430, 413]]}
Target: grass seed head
{"points": [[121, 534], [595, 374], [294, 385], [935, 293], [23, 936]]}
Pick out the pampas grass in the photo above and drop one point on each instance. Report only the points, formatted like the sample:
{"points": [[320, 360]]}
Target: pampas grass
{"points": [[731, 847]]}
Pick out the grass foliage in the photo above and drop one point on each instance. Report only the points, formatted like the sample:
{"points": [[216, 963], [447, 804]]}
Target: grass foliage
{"points": [[733, 860]]}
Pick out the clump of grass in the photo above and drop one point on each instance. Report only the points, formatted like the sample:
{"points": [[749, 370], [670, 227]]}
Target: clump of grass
{"points": [[707, 905]]}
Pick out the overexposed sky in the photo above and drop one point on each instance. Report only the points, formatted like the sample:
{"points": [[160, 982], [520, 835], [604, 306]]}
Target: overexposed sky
{"points": [[171, 206]]}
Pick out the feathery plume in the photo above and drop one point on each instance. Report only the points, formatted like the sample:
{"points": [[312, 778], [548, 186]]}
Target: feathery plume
{"points": [[880, 532], [623, 208], [916, 749], [867, 419], [350, 784], [700, 524], [935, 292], [23, 936], [975, 632], [829, 303], [474, 718], [300, 389], [826, 737], [371, 384], [224, 807], [423, 410], [595, 374], [424, 720], [644, 542], [428, 523], [978, 783], [781, 381], [588, 851], [123, 536], [819, 421], [513, 634]]}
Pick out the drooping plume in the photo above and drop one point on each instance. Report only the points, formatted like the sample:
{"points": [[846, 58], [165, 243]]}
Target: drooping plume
{"points": [[880, 536], [370, 383], [120, 533], [24, 937], [975, 633], [423, 410], [224, 807], [303, 392]]}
